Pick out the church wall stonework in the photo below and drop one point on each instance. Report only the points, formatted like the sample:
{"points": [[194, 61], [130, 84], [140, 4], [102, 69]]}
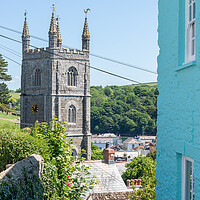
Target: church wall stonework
{"points": [[55, 82]]}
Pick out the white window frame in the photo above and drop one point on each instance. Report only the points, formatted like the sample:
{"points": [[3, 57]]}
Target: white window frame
{"points": [[183, 189], [190, 12]]}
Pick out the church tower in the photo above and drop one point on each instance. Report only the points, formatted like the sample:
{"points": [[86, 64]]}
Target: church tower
{"points": [[55, 81]]}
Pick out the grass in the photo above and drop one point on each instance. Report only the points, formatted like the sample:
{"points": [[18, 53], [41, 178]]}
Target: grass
{"points": [[15, 95], [9, 116], [152, 84], [6, 123]]}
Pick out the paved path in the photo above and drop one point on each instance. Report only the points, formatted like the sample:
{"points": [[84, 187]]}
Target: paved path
{"points": [[11, 120]]}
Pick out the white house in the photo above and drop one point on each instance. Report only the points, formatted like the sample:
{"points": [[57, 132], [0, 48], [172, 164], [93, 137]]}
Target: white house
{"points": [[101, 140]]}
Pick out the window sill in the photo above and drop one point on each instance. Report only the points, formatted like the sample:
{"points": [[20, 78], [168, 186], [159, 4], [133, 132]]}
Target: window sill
{"points": [[71, 123], [186, 65]]}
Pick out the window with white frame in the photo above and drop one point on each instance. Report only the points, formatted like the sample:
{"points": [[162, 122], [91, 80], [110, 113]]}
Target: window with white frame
{"points": [[187, 178], [190, 30]]}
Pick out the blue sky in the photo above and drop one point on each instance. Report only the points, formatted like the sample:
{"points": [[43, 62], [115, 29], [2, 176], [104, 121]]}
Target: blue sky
{"points": [[120, 30]]}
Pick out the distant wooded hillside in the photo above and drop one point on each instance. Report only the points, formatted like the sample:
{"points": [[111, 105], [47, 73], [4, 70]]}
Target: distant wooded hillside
{"points": [[125, 110]]}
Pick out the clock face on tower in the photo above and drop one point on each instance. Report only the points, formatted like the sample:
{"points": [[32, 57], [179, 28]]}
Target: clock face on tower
{"points": [[35, 108]]}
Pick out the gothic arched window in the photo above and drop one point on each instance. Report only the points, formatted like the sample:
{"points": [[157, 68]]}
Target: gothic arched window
{"points": [[72, 114], [37, 77], [72, 76]]}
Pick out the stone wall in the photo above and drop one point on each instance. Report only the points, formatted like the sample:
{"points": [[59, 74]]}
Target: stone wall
{"points": [[14, 173]]}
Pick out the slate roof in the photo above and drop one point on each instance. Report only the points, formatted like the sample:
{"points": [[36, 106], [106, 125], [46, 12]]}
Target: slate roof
{"points": [[117, 147], [108, 177], [106, 135], [121, 167], [131, 140], [109, 196]]}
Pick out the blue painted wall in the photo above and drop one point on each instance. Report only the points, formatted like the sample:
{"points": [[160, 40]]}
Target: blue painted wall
{"points": [[178, 102]]}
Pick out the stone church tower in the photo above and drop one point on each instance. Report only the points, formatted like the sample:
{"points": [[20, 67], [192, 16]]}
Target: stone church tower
{"points": [[55, 81]]}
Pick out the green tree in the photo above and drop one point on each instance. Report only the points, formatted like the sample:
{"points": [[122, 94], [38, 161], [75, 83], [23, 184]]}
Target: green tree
{"points": [[147, 192], [108, 91], [3, 70], [4, 94], [124, 110], [18, 90], [143, 168], [138, 168], [152, 154], [64, 177], [96, 153]]}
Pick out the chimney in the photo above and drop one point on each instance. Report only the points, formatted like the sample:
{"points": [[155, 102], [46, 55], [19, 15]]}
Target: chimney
{"points": [[128, 183], [107, 145], [108, 155]]}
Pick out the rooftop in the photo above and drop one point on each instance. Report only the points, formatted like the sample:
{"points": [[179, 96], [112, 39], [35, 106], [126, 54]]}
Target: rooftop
{"points": [[108, 177], [131, 140], [105, 135]]}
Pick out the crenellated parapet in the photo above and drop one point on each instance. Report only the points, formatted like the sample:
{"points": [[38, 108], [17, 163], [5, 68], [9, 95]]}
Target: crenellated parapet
{"points": [[35, 53], [61, 53]]}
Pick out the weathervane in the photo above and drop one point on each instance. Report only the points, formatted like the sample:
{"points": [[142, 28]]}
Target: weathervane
{"points": [[86, 11], [53, 7], [25, 13]]}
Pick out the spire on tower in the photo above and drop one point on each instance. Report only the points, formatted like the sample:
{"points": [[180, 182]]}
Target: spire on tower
{"points": [[59, 42], [25, 36], [53, 31], [86, 34], [25, 28], [52, 28]]}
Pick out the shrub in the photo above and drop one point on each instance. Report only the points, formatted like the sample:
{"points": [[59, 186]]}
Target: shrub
{"points": [[138, 167], [152, 154], [16, 145], [147, 191], [96, 153], [63, 177], [145, 168]]}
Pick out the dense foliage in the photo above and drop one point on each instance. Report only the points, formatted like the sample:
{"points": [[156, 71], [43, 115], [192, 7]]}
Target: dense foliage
{"points": [[126, 110], [143, 168], [4, 94], [14, 105], [137, 167], [18, 90], [17, 144], [147, 192], [3, 70], [152, 154], [96, 153], [64, 176]]}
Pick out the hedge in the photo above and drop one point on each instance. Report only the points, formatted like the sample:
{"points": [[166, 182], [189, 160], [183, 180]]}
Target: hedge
{"points": [[16, 145]]}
